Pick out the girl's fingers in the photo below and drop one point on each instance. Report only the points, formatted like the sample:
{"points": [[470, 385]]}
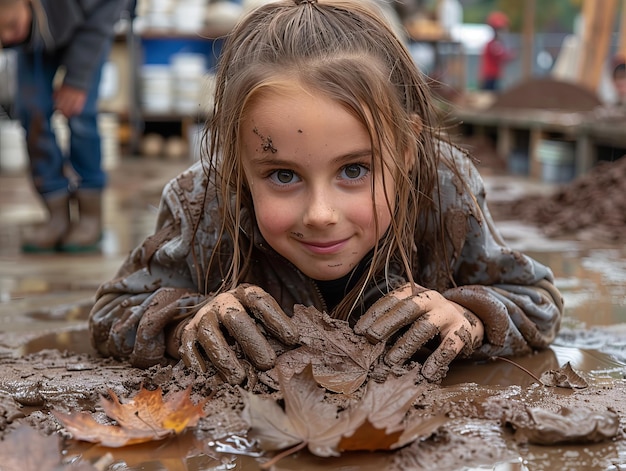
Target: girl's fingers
{"points": [[405, 312], [221, 355], [233, 315], [188, 349], [378, 310], [492, 312], [265, 308], [436, 365], [384, 305], [413, 339]]}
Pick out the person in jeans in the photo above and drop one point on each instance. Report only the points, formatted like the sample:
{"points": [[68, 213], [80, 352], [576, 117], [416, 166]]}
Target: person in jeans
{"points": [[73, 36]]}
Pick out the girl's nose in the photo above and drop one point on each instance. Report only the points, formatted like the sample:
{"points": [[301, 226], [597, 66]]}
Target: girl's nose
{"points": [[320, 211]]}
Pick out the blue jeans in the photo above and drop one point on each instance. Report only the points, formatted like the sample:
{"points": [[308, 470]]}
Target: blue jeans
{"points": [[34, 106]]}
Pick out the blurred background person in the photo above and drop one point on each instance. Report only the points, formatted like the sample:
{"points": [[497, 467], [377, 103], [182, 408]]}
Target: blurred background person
{"points": [[73, 36], [495, 54]]}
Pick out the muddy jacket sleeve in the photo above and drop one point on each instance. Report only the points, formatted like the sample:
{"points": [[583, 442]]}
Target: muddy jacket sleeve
{"points": [[510, 292], [156, 285]]}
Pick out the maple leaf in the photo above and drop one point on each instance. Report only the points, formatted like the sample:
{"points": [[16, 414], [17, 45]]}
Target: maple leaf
{"points": [[340, 358], [306, 417], [374, 423], [146, 417], [379, 417]]}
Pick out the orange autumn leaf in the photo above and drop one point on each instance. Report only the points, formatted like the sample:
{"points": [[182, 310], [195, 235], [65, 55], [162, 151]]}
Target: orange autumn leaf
{"points": [[146, 417]]}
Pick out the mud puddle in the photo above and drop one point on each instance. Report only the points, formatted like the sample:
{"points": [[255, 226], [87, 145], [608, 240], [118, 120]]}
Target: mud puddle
{"points": [[56, 369], [476, 398], [47, 363]]}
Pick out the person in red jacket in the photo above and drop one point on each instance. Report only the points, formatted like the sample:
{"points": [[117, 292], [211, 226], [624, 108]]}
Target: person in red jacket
{"points": [[495, 54]]}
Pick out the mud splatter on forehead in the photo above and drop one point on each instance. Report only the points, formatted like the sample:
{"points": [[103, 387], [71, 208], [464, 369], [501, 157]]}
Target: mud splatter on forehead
{"points": [[266, 141]]}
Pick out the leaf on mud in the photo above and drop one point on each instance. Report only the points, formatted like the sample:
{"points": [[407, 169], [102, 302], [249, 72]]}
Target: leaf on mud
{"points": [[374, 423], [385, 405], [567, 426], [306, 418], [564, 377], [146, 417], [341, 359]]}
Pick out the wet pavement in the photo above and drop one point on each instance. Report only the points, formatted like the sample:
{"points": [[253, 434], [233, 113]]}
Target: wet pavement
{"points": [[44, 301]]}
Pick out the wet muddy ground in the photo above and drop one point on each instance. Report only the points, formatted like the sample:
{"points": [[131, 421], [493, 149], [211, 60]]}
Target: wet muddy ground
{"points": [[47, 364]]}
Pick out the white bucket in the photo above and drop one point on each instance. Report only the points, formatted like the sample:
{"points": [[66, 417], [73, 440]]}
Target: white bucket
{"points": [[156, 85], [188, 70], [558, 160], [13, 152]]}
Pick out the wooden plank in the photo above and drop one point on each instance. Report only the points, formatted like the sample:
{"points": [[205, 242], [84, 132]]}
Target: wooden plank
{"points": [[528, 35], [598, 20]]}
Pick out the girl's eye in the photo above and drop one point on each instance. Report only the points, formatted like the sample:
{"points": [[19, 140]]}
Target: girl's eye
{"points": [[354, 171], [283, 177]]}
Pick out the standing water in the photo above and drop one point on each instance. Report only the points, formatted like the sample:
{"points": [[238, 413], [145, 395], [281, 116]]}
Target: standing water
{"points": [[45, 300]]}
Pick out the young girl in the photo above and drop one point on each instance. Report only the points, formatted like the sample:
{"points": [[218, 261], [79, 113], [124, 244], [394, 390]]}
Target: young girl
{"points": [[326, 185], [73, 35]]}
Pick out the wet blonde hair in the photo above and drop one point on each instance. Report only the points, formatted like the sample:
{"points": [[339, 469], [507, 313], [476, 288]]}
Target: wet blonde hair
{"points": [[346, 51]]}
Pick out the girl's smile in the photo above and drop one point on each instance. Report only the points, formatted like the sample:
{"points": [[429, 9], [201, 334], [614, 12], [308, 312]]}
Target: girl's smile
{"points": [[308, 163], [324, 247]]}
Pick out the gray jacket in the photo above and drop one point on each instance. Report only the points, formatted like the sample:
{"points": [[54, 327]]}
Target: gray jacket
{"points": [[162, 280], [79, 31]]}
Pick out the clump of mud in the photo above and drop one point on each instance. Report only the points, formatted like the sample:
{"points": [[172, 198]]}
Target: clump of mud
{"points": [[591, 207]]}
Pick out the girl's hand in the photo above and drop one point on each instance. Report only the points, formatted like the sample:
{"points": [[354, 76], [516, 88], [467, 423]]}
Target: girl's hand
{"points": [[431, 315], [231, 310]]}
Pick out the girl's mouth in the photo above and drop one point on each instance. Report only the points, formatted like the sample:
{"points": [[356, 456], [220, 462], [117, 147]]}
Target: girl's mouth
{"points": [[325, 248]]}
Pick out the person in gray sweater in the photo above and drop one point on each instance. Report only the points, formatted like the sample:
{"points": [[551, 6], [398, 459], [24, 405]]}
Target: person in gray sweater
{"points": [[72, 36]]}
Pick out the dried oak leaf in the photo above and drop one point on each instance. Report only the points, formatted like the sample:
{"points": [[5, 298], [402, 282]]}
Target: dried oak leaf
{"points": [[564, 377], [567, 426], [341, 359], [374, 423], [146, 417]]}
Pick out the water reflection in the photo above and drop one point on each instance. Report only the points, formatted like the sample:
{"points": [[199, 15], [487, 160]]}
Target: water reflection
{"points": [[593, 283]]}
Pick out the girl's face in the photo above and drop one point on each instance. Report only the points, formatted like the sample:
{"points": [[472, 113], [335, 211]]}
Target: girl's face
{"points": [[308, 165], [15, 21]]}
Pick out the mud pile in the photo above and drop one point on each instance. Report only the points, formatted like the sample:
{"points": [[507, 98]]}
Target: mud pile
{"points": [[592, 206]]}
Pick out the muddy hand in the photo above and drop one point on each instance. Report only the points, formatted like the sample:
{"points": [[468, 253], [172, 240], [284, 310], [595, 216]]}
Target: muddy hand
{"points": [[232, 310], [429, 315]]}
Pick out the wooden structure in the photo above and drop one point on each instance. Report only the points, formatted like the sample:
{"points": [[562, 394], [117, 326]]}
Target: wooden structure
{"points": [[574, 118], [599, 17]]}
